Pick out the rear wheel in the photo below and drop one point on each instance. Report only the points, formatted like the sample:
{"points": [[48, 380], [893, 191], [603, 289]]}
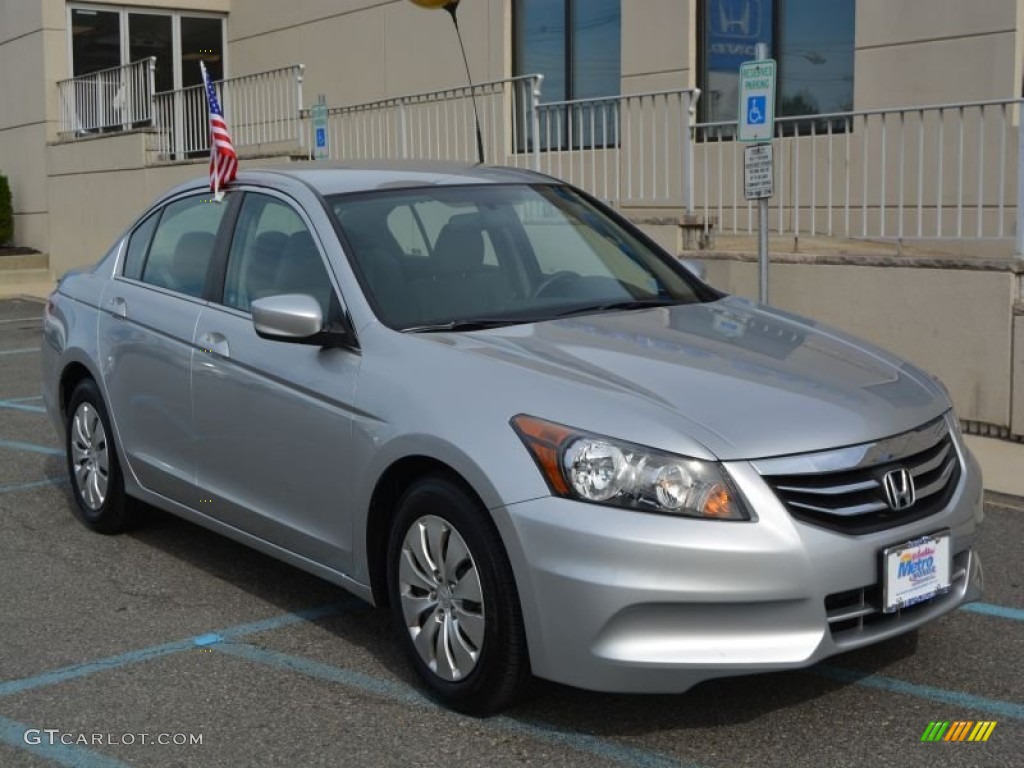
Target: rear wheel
{"points": [[93, 468], [454, 600]]}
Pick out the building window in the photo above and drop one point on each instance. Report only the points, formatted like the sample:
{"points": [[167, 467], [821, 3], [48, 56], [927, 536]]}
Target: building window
{"points": [[576, 45], [107, 36], [811, 40]]}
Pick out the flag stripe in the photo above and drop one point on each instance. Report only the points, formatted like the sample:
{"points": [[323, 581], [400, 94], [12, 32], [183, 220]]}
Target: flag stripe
{"points": [[223, 158]]}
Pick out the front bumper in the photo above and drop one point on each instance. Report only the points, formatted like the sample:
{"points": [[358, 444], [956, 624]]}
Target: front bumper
{"points": [[633, 602]]}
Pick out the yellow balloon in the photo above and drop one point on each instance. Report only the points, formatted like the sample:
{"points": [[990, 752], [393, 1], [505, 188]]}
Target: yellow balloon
{"points": [[434, 3]]}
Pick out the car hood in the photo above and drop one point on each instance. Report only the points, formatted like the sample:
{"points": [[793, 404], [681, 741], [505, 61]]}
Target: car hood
{"points": [[756, 382]]}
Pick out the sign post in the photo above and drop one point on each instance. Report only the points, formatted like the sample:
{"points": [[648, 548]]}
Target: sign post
{"points": [[320, 145], [757, 126]]}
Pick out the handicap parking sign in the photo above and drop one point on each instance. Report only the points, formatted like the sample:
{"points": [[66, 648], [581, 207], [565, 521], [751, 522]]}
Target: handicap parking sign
{"points": [[757, 101], [757, 110], [321, 137]]}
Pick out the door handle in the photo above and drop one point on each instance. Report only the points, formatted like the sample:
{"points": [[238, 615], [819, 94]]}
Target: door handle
{"points": [[214, 343], [118, 307]]}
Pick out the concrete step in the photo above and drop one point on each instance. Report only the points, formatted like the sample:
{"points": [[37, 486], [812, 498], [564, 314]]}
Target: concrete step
{"points": [[24, 261]]}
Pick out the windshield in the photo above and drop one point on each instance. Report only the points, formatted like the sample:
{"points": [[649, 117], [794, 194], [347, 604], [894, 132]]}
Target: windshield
{"points": [[445, 258]]}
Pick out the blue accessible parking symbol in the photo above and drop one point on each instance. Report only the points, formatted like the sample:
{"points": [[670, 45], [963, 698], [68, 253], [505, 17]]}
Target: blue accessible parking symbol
{"points": [[757, 112]]}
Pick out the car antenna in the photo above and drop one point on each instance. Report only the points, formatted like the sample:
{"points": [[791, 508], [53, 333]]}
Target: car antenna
{"points": [[452, 7]]}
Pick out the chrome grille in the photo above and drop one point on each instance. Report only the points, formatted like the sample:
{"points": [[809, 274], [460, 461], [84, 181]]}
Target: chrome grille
{"points": [[843, 490]]}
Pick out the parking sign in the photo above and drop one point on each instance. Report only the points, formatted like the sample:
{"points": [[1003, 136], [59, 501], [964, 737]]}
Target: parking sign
{"points": [[757, 100]]}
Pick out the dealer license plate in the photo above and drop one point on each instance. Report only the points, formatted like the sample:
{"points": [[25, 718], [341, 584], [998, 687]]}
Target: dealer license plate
{"points": [[916, 571]]}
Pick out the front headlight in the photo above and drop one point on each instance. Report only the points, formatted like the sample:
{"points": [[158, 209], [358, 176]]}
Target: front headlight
{"points": [[601, 470]]}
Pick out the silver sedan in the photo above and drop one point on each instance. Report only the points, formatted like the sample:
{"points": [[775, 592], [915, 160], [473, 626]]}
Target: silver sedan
{"points": [[484, 399]]}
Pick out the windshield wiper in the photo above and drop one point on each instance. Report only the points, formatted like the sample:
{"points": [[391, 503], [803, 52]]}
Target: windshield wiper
{"points": [[621, 305], [470, 324]]}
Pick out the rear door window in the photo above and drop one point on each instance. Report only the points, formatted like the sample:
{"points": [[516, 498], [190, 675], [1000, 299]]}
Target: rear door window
{"points": [[182, 246]]}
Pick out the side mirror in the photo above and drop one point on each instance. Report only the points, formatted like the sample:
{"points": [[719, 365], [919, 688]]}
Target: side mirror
{"points": [[292, 317]]}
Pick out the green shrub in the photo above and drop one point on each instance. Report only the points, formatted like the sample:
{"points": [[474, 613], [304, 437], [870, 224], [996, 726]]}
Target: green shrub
{"points": [[6, 212]]}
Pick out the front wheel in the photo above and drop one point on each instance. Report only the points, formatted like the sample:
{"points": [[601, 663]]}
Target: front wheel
{"points": [[454, 599], [93, 468]]}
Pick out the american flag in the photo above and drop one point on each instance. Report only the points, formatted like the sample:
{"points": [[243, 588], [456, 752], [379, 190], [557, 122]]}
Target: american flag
{"points": [[223, 160]]}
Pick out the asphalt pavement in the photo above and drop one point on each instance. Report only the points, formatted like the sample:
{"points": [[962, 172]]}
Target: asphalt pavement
{"points": [[172, 646]]}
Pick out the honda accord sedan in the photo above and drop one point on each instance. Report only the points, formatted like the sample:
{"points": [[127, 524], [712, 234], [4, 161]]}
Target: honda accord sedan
{"points": [[486, 400]]}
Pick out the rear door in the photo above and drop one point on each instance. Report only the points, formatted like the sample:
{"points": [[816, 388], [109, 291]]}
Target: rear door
{"points": [[274, 419], [146, 329]]}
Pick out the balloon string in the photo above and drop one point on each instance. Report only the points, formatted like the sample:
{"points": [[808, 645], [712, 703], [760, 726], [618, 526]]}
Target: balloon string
{"points": [[451, 7]]}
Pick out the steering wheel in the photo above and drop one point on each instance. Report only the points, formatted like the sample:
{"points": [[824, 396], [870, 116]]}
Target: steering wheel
{"points": [[550, 280]]}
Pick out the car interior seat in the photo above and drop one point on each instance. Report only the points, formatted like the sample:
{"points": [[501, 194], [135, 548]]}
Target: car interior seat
{"points": [[190, 262]]}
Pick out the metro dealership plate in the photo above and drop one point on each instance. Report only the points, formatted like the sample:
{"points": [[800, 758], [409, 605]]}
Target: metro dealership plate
{"points": [[916, 571]]}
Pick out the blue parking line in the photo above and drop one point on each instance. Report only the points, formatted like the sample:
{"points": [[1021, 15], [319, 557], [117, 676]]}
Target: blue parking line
{"points": [[13, 733], [18, 351], [14, 445], [892, 685], [22, 407], [602, 748], [157, 651], [999, 611], [52, 482]]}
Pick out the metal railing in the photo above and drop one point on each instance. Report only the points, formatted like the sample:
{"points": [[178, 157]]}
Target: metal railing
{"points": [[634, 149], [437, 125], [260, 109], [118, 98], [926, 172]]}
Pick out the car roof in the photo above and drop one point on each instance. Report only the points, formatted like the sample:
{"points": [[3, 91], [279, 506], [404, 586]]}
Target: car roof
{"points": [[333, 178]]}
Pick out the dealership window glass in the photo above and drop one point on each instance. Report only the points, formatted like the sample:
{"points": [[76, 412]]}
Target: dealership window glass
{"points": [[151, 34], [576, 45], [811, 40], [95, 40], [183, 245], [202, 39], [273, 252], [138, 245]]}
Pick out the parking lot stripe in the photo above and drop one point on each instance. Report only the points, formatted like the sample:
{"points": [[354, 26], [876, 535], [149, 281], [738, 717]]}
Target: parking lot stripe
{"points": [[22, 407], [145, 654], [999, 611], [607, 750], [15, 487], [14, 445], [892, 685], [13, 733], [18, 351]]}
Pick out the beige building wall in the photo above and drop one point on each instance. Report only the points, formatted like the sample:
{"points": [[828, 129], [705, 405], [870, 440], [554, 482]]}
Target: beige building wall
{"points": [[911, 52], [31, 31], [357, 51]]}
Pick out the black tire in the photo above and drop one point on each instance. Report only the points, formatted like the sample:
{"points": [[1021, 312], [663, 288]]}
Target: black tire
{"points": [[502, 667], [116, 513]]}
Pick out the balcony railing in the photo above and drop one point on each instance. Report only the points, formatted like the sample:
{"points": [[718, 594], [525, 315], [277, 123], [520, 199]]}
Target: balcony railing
{"points": [[436, 125], [932, 172], [119, 98], [633, 149], [262, 109]]}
